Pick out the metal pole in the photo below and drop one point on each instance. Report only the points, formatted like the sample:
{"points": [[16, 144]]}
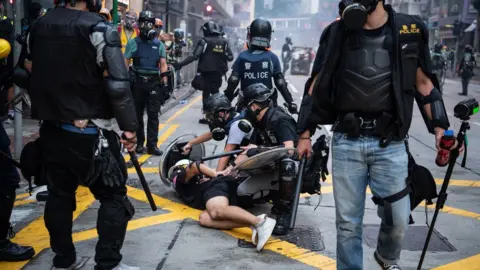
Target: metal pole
{"points": [[18, 137], [167, 8], [115, 12]]}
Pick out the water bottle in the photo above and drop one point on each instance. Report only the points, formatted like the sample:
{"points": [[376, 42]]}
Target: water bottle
{"points": [[443, 155]]}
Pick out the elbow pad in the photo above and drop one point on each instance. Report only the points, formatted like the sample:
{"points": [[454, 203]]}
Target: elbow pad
{"points": [[233, 81], [439, 113], [117, 84], [282, 87], [303, 122]]}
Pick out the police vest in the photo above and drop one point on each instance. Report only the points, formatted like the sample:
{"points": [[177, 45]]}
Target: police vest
{"points": [[147, 55], [437, 61], [257, 67], [408, 34], [66, 83], [214, 57]]}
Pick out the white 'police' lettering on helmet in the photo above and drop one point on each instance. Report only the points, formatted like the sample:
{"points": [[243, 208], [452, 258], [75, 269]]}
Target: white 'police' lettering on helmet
{"points": [[256, 75]]}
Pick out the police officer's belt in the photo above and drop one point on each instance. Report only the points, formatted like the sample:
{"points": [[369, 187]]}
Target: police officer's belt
{"points": [[91, 128], [355, 125], [147, 78]]}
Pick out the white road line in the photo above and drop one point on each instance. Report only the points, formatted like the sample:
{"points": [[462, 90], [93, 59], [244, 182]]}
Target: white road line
{"points": [[292, 87], [478, 124]]}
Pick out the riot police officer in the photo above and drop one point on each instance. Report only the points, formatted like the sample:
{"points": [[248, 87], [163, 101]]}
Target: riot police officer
{"points": [[439, 61], [259, 65], [149, 59], [213, 61], [273, 127], [364, 85], [287, 50], [79, 82], [223, 122], [466, 68]]}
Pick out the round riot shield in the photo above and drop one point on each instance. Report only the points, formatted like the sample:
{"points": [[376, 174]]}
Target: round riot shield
{"points": [[174, 153], [264, 161]]}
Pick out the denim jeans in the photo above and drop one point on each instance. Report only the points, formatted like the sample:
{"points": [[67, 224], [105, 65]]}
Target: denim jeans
{"points": [[358, 162]]}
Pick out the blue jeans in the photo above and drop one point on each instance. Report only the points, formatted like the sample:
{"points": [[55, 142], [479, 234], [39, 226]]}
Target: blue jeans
{"points": [[358, 162]]}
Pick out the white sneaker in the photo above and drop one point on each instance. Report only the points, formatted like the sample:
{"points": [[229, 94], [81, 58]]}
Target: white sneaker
{"points": [[264, 232], [122, 266], [79, 263], [254, 230]]}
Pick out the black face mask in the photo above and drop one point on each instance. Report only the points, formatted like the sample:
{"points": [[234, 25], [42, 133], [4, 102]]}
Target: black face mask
{"points": [[355, 13]]}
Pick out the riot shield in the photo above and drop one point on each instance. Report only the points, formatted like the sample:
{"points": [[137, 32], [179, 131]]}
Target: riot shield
{"points": [[263, 162], [173, 153], [172, 82]]}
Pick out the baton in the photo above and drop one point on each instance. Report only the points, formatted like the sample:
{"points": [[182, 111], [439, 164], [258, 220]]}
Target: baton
{"points": [[15, 163], [298, 190], [225, 154], [143, 181]]}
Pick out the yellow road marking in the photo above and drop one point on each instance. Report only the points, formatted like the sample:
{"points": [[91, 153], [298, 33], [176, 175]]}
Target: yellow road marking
{"points": [[182, 110], [470, 263], [36, 235], [459, 183], [454, 211], [22, 202], [22, 196]]}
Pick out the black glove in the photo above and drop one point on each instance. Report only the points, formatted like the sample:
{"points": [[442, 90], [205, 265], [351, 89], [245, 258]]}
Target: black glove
{"points": [[293, 108]]}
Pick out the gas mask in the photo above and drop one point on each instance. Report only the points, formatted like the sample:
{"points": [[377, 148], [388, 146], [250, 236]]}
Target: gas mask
{"points": [[129, 22], [147, 30], [217, 123], [355, 13]]}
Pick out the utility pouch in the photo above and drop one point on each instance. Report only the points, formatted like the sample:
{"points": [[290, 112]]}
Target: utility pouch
{"points": [[351, 123], [31, 164]]}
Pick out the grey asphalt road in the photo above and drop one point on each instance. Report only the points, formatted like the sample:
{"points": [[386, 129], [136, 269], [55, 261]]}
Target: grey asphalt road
{"points": [[172, 239]]}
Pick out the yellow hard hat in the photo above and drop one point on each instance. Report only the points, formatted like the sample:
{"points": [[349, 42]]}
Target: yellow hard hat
{"points": [[5, 48]]}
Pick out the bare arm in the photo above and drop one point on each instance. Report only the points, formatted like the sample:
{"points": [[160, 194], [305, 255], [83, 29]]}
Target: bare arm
{"points": [[163, 68], [207, 136], [223, 162]]}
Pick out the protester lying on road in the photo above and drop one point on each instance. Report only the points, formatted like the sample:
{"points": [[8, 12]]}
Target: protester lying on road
{"points": [[202, 188]]}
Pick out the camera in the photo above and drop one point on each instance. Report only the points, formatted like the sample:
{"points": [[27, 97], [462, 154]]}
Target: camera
{"points": [[464, 109]]}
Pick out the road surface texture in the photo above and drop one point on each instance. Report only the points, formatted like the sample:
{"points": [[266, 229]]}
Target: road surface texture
{"points": [[171, 238]]}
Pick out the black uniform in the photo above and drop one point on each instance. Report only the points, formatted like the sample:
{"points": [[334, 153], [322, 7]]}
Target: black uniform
{"points": [[466, 68], [287, 54], [6, 65], [274, 128], [67, 84], [213, 53]]}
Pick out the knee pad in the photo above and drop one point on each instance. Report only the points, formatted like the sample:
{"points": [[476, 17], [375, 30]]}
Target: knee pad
{"points": [[288, 171]]}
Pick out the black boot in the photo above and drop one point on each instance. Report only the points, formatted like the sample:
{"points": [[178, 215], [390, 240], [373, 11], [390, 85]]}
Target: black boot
{"points": [[12, 252], [154, 151], [282, 227], [203, 121]]}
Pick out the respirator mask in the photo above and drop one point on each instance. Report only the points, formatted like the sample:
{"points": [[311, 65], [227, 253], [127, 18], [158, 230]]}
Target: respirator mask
{"points": [[147, 30], [355, 13]]}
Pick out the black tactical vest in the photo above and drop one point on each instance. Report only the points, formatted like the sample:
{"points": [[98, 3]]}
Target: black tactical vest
{"points": [[265, 133], [365, 75], [147, 55], [214, 57], [66, 82]]}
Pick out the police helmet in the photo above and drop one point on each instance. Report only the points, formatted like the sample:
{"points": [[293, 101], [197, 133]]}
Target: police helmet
{"points": [[256, 92], [92, 5], [215, 103], [260, 33], [210, 28], [438, 47], [288, 40], [35, 10], [179, 33], [468, 48], [146, 16]]}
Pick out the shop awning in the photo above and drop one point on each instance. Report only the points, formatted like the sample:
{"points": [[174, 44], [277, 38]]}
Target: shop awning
{"points": [[471, 27]]}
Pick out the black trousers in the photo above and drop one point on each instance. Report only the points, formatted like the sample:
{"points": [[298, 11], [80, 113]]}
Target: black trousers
{"points": [[9, 179], [67, 160], [212, 83], [465, 82], [148, 94]]}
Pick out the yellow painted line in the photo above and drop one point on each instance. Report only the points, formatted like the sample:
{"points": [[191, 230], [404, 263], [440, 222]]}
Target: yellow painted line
{"points": [[470, 263], [161, 140], [182, 110], [460, 183], [132, 225], [36, 235], [145, 170], [454, 211], [126, 157], [22, 196], [22, 202]]}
